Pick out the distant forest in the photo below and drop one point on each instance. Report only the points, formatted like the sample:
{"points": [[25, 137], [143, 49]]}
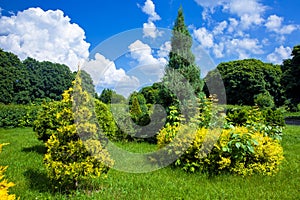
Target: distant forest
{"points": [[246, 81]]}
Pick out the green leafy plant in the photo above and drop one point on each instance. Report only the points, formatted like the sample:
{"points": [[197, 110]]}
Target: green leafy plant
{"points": [[47, 121], [106, 120], [17, 115], [215, 151]]}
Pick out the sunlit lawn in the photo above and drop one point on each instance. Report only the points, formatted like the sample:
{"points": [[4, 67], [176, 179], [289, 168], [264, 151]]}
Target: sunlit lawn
{"points": [[24, 157]]}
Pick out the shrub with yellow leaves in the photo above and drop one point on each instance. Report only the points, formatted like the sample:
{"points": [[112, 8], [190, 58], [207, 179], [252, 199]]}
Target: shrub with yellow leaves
{"points": [[236, 150], [75, 150]]}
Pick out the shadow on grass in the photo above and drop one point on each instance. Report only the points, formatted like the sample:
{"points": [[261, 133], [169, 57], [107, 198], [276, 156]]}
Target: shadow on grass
{"points": [[38, 180], [40, 149]]}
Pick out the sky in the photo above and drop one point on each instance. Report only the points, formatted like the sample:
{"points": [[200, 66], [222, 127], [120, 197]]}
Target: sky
{"points": [[125, 44]]}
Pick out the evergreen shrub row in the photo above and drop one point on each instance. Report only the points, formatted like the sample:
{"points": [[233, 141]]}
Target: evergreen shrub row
{"points": [[17, 115]]}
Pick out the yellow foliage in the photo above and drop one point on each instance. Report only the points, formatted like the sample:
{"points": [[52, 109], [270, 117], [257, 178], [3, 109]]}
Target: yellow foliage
{"points": [[236, 150]]}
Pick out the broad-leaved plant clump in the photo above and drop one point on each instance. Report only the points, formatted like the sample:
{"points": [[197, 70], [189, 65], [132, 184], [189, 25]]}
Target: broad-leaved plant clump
{"points": [[236, 150]]}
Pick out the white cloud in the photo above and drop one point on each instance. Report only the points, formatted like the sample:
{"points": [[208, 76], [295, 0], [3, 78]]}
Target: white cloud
{"points": [[105, 75], [249, 7], [233, 24], [44, 35], [218, 50], [149, 28], [147, 63], [204, 37], [209, 6], [248, 20], [279, 54], [244, 47], [250, 11], [149, 9], [164, 50], [220, 28], [274, 23]]}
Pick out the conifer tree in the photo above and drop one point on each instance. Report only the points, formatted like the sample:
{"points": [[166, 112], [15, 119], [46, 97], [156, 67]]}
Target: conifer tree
{"points": [[75, 151], [181, 57], [181, 84], [135, 110]]}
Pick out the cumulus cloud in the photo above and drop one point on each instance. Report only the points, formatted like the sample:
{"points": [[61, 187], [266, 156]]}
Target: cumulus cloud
{"points": [[233, 24], [219, 29], [209, 6], [204, 37], [164, 50], [150, 65], [44, 35], [149, 28], [218, 50], [105, 75], [244, 47], [279, 54], [149, 9], [274, 23], [248, 7], [249, 11]]}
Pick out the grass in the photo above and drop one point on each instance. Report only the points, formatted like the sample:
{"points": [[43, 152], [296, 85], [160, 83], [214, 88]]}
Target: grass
{"points": [[292, 115], [24, 157]]}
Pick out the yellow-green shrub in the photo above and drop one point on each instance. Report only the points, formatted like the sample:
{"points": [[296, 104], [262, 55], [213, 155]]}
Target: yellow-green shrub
{"points": [[248, 152], [106, 120], [75, 151], [215, 151], [4, 184], [167, 134], [46, 121]]}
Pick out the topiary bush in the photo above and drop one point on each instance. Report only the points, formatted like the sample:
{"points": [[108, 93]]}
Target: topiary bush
{"points": [[75, 150], [215, 151]]}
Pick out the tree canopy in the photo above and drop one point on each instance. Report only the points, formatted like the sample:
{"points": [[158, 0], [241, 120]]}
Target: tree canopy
{"points": [[31, 80], [245, 79], [291, 78]]}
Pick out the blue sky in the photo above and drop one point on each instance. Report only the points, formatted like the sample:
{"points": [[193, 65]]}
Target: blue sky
{"points": [[67, 31]]}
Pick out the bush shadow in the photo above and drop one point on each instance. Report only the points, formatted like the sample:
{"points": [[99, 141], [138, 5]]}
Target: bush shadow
{"points": [[38, 180], [40, 149]]}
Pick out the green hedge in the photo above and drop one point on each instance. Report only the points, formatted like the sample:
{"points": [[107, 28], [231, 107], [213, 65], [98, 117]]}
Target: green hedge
{"points": [[17, 115], [239, 115]]}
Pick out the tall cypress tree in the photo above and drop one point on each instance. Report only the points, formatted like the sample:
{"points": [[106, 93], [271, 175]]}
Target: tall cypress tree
{"points": [[181, 83], [181, 57]]}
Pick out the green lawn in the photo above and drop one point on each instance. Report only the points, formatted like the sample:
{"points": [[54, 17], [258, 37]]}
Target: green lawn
{"points": [[24, 157]]}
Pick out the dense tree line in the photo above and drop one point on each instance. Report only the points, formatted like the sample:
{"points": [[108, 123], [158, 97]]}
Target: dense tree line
{"points": [[31, 81], [245, 79], [250, 81], [291, 79]]}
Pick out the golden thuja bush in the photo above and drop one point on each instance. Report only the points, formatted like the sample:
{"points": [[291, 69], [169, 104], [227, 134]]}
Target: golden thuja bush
{"points": [[4, 184], [75, 150], [235, 150]]}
